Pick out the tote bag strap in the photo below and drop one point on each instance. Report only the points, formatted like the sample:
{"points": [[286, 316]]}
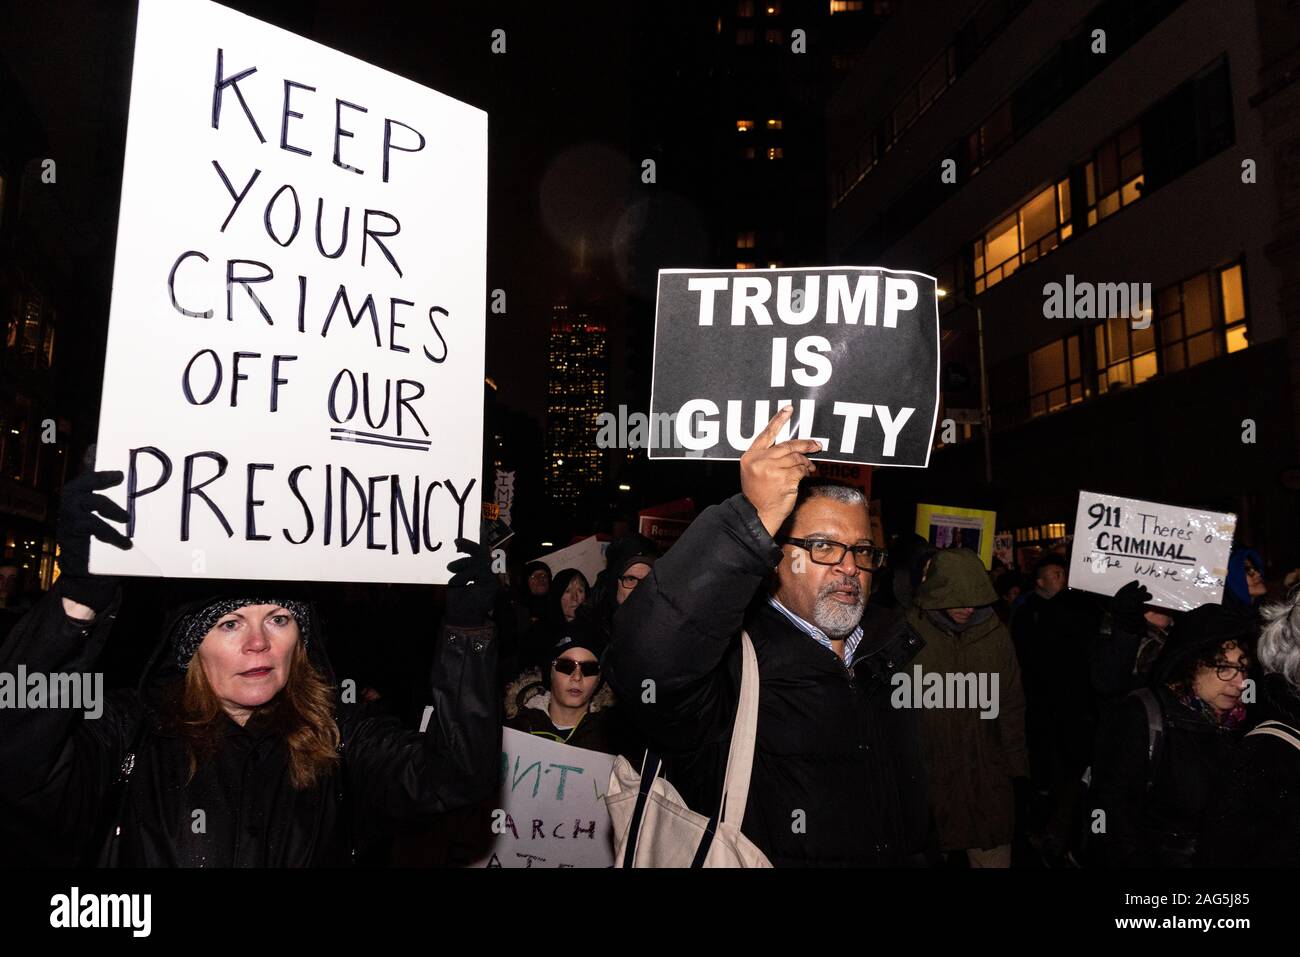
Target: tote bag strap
{"points": [[740, 756], [650, 766], [1277, 729]]}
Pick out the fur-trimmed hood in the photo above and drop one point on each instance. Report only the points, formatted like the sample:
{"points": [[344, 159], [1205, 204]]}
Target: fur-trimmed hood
{"points": [[529, 691]]}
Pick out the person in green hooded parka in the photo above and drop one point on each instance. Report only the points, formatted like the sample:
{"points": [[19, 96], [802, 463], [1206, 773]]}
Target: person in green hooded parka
{"points": [[974, 748]]}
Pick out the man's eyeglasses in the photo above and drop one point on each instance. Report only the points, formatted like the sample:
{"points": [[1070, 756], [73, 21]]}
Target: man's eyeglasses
{"points": [[825, 552], [566, 666], [1227, 672], [629, 581]]}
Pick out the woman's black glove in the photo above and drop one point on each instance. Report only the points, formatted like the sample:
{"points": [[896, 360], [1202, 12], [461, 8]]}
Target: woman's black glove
{"points": [[473, 589], [1127, 606], [80, 506]]}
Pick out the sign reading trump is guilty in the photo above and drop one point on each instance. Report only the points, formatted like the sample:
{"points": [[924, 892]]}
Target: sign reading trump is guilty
{"points": [[294, 366], [854, 350]]}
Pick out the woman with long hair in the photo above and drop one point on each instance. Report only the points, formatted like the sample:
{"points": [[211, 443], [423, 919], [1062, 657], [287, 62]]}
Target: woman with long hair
{"points": [[237, 748]]}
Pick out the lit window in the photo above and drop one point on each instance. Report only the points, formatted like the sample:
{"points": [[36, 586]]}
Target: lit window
{"points": [[1033, 230], [1233, 295], [1188, 335], [744, 126], [745, 240], [1125, 356], [846, 6], [775, 153], [1114, 175], [775, 124], [1055, 376], [773, 8], [776, 265], [746, 265]]}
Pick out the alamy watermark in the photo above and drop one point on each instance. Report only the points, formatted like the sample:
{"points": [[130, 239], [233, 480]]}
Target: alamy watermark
{"points": [[76, 909], [951, 689], [1098, 300], [80, 691], [658, 430]]}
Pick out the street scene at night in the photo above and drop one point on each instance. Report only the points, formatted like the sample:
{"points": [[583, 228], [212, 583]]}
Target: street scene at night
{"points": [[660, 434]]}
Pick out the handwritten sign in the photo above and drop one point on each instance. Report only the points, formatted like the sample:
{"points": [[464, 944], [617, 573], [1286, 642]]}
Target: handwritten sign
{"points": [[295, 343], [587, 556], [854, 350], [550, 812], [1179, 554]]}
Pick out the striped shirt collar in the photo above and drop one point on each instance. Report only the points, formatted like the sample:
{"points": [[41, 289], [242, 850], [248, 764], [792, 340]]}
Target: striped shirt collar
{"points": [[851, 640]]}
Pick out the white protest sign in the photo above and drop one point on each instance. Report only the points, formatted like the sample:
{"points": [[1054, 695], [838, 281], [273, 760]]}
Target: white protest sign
{"points": [[294, 364], [587, 556], [551, 811], [1179, 554]]}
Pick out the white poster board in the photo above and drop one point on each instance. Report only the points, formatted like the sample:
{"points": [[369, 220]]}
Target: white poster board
{"points": [[551, 811], [294, 366], [1179, 554], [587, 556]]}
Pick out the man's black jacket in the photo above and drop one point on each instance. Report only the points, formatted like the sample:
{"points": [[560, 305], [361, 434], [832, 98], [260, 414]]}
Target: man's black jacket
{"points": [[837, 776]]}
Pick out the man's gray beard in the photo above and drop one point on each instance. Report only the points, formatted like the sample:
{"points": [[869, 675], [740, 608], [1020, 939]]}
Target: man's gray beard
{"points": [[836, 618]]}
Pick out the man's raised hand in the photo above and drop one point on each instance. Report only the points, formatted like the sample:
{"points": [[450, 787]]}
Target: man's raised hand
{"points": [[770, 472]]}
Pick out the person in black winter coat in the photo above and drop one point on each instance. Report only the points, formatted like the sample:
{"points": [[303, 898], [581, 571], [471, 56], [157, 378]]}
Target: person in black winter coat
{"points": [[1254, 820], [1155, 799], [238, 718], [837, 774], [1130, 639]]}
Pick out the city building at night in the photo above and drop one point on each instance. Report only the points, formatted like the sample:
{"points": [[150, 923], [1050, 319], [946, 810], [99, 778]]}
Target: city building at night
{"points": [[34, 445], [575, 397], [1095, 178]]}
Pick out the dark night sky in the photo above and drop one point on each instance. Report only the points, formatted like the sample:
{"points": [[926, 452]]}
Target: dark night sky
{"points": [[558, 123]]}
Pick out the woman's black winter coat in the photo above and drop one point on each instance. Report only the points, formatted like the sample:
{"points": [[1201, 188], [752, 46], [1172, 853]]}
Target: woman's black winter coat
{"points": [[62, 772]]}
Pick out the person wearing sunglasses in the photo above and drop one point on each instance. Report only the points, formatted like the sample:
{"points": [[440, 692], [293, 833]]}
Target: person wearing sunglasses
{"points": [[1157, 762], [569, 703], [836, 777]]}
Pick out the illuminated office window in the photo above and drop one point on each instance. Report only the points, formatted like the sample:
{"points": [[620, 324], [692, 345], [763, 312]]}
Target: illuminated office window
{"points": [[1125, 356], [1032, 231], [1114, 175], [1055, 376]]}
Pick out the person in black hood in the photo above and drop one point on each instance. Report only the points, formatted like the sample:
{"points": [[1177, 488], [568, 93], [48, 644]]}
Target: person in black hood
{"points": [[237, 749], [1254, 818], [569, 590], [1161, 749], [627, 562]]}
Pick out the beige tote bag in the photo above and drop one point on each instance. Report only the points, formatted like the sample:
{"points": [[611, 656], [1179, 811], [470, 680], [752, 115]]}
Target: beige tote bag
{"points": [[653, 827]]}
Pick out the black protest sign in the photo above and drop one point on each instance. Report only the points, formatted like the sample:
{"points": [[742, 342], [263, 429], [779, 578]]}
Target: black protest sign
{"points": [[855, 350]]}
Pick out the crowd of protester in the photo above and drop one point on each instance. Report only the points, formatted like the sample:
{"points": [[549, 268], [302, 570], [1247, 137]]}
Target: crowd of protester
{"points": [[1122, 734]]}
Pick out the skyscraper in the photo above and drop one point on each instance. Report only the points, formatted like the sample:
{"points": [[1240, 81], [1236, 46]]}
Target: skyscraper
{"points": [[575, 396]]}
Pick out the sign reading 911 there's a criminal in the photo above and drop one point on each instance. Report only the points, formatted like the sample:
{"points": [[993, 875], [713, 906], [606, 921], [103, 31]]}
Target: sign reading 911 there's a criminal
{"points": [[1180, 554], [855, 351], [294, 367]]}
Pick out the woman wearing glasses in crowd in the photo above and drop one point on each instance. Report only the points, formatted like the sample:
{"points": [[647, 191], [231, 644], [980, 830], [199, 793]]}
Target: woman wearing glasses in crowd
{"points": [[1157, 761], [568, 702]]}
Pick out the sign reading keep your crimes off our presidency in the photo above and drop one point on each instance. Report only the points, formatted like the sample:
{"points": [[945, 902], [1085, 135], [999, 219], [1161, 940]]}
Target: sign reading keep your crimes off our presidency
{"points": [[294, 364], [855, 350]]}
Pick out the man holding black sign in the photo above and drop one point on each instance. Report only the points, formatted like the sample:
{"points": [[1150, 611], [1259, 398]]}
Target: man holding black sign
{"points": [[837, 777]]}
